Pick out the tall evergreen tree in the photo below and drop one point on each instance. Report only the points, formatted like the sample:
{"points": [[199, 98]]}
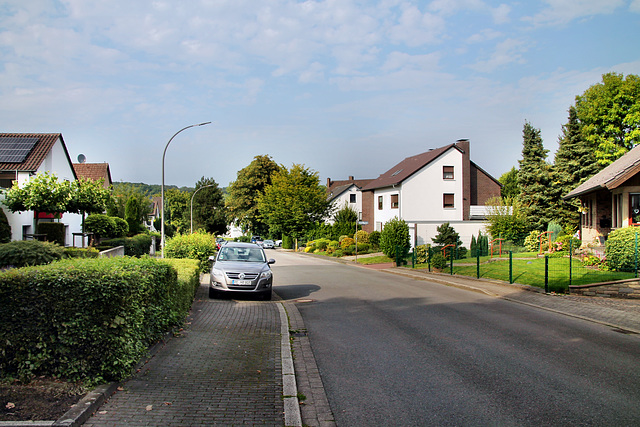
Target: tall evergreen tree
{"points": [[208, 207], [574, 163], [534, 179]]}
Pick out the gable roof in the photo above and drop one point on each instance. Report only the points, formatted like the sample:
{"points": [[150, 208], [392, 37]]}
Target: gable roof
{"points": [[614, 175], [407, 167], [94, 171], [40, 150]]}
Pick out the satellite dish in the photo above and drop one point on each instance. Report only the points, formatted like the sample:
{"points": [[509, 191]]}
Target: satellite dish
{"points": [[82, 158]]}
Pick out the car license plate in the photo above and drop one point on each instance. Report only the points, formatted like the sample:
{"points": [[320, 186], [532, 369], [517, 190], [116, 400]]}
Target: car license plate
{"points": [[241, 282]]}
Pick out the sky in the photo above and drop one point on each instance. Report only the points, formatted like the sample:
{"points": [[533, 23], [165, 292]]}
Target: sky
{"points": [[344, 87]]}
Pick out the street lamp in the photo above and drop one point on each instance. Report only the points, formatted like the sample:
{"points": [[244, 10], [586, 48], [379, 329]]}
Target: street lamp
{"points": [[162, 187], [192, 196]]}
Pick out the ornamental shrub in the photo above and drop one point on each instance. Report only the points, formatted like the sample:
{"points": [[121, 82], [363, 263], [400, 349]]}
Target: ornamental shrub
{"points": [[198, 246], [363, 236], [421, 254], [341, 238], [374, 239], [101, 225], [621, 246], [121, 227], [72, 252], [346, 242], [136, 246], [532, 242], [5, 228], [322, 244], [395, 233], [438, 261], [287, 242], [332, 246], [363, 247], [22, 253]]}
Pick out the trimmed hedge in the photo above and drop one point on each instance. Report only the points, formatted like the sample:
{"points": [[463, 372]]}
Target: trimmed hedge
{"points": [[198, 246], [137, 245], [53, 230], [88, 319], [621, 246]]}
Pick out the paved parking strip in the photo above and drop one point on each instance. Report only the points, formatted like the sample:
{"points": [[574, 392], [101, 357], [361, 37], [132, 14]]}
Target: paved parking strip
{"points": [[223, 369]]}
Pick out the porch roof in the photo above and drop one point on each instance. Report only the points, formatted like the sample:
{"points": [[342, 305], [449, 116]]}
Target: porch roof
{"points": [[614, 175]]}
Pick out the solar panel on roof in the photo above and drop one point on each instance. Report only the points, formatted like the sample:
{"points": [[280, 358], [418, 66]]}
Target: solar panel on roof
{"points": [[16, 149]]}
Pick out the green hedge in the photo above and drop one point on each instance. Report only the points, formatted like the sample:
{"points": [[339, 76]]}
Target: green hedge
{"points": [[137, 245], [53, 230], [88, 319], [23, 253], [198, 246], [621, 247]]}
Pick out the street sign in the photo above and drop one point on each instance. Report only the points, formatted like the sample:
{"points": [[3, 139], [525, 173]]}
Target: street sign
{"points": [[363, 222]]}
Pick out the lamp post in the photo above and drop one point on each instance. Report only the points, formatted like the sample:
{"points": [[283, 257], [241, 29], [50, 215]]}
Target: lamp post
{"points": [[162, 186], [192, 196]]}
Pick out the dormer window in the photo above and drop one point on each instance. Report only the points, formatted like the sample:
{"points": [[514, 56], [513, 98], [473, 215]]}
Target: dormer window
{"points": [[447, 172]]}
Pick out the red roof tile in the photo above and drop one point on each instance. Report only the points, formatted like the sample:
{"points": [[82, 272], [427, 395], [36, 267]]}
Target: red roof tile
{"points": [[94, 171]]}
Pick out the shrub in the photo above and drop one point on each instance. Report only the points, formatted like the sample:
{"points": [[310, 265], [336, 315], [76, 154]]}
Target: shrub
{"points": [[332, 246], [374, 239], [338, 253], [562, 243], [421, 253], [620, 247], [395, 233], [88, 319], [5, 228], [135, 246], [121, 227], [53, 230], [287, 242], [349, 250], [438, 261], [198, 246], [22, 253], [100, 225], [363, 236], [532, 242], [346, 242], [71, 252], [322, 244], [363, 247], [341, 238]]}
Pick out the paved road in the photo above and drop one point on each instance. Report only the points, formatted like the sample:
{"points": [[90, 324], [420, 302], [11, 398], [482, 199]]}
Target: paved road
{"points": [[394, 350]]}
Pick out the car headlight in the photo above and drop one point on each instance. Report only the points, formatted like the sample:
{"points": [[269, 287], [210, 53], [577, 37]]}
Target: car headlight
{"points": [[217, 273], [265, 274]]}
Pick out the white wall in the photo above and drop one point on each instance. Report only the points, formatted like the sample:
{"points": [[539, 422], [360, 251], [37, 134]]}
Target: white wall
{"points": [[428, 230], [386, 213], [422, 193], [56, 163]]}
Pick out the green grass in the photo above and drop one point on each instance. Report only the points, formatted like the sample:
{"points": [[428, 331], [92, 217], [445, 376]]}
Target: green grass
{"points": [[530, 271], [381, 259]]}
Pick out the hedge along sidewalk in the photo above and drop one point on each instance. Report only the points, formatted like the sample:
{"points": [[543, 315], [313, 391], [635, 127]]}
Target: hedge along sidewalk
{"points": [[89, 320]]}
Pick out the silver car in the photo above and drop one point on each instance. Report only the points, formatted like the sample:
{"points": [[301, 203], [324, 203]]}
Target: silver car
{"points": [[241, 267], [268, 244]]}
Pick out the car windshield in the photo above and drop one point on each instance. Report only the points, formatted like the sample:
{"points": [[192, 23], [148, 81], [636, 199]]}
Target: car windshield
{"points": [[241, 254]]}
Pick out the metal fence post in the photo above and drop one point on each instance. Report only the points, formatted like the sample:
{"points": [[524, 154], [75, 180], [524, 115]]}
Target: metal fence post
{"points": [[570, 259], [510, 266], [429, 258], [636, 256], [451, 260], [546, 274], [477, 264]]}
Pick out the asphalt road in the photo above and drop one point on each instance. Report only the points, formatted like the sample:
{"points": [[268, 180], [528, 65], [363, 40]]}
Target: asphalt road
{"points": [[396, 351]]}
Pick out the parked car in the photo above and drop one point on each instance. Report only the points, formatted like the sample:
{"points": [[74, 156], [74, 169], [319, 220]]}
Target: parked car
{"points": [[219, 242], [241, 267], [278, 243], [268, 244]]}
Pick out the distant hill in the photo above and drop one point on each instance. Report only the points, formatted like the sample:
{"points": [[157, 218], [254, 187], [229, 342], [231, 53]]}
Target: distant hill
{"points": [[151, 190]]}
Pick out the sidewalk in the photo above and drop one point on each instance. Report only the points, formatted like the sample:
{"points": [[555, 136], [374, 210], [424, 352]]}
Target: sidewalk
{"points": [[225, 368]]}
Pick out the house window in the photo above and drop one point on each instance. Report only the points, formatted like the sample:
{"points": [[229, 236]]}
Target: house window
{"points": [[447, 172], [6, 179], [394, 201], [380, 203], [447, 201], [617, 210], [634, 206], [352, 198]]}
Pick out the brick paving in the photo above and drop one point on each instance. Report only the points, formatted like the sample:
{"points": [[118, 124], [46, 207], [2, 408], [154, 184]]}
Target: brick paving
{"points": [[223, 369]]}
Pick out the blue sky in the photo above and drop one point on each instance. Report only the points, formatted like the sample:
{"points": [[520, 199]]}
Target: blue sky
{"points": [[344, 87]]}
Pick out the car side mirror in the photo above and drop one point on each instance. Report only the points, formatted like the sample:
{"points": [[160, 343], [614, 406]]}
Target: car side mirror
{"points": [[271, 261]]}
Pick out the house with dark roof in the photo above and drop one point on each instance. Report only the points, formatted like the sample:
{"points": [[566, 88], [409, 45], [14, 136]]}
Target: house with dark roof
{"points": [[429, 189], [347, 192], [22, 156], [610, 199]]}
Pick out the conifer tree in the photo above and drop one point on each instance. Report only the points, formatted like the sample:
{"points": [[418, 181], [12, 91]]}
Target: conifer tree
{"points": [[534, 179], [574, 163]]}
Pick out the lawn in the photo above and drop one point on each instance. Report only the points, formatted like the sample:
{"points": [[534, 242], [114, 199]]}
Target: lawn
{"points": [[528, 269]]}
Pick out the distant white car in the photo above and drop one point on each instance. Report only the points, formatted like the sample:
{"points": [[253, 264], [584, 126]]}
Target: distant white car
{"points": [[278, 243], [268, 244]]}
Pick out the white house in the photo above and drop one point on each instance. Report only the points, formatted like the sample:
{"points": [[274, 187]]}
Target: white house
{"points": [[429, 189], [22, 156], [345, 193]]}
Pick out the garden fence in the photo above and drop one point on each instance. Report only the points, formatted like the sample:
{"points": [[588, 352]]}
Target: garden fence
{"points": [[554, 272]]}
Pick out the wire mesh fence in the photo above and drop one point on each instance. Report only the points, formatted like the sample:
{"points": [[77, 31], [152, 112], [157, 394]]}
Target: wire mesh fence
{"points": [[554, 272]]}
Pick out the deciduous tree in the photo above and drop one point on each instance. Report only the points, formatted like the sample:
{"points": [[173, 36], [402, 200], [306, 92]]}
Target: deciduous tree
{"points": [[208, 207], [294, 201]]}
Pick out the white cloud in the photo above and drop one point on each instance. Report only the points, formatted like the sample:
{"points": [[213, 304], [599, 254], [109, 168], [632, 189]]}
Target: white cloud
{"points": [[501, 14], [635, 6], [484, 35], [559, 12], [506, 52], [415, 28]]}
